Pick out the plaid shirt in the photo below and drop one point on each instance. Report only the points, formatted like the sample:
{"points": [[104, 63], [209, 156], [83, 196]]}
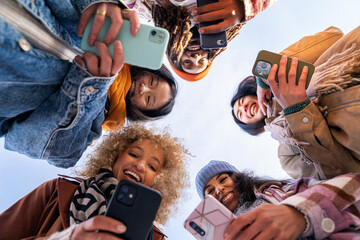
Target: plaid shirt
{"points": [[331, 207]]}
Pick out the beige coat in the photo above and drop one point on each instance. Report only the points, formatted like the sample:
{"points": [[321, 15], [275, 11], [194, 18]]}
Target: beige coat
{"points": [[332, 135]]}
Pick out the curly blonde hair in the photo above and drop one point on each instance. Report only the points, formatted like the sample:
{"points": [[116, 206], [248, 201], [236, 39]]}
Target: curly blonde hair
{"points": [[172, 179]]}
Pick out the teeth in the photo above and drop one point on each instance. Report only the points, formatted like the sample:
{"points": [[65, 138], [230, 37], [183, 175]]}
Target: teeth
{"points": [[253, 109], [194, 48], [134, 175], [226, 198]]}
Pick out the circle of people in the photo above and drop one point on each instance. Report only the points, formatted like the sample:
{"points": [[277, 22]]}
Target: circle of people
{"points": [[53, 109]]}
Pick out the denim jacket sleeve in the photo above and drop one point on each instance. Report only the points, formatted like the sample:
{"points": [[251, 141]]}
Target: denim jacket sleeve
{"points": [[62, 127]]}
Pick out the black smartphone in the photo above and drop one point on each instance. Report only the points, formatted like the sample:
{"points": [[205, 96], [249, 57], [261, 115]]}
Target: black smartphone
{"points": [[266, 59], [211, 41], [136, 206]]}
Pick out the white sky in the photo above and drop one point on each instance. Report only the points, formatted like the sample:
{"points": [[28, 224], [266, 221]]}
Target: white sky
{"points": [[202, 113]]}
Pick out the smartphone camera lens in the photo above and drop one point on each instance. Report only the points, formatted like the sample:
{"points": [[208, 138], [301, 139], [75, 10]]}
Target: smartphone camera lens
{"points": [[198, 229], [220, 42], [153, 32], [124, 188]]}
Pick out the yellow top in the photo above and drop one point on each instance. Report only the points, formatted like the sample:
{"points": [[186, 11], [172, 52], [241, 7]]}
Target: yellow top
{"points": [[116, 94]]}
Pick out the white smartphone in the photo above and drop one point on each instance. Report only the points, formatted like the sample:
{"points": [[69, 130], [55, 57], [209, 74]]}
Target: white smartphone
{"points": [[209, 220]]}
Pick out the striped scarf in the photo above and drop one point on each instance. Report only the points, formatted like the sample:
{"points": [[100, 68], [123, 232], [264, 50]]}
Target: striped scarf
{"points": [[91, 197]]}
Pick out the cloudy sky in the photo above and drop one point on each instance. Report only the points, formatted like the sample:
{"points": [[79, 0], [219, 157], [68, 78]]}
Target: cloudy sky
{"points": [[202, 114]]}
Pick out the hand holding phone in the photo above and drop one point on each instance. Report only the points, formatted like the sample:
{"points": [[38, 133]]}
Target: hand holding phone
{"points": [[213, 40], [265, 60], [209, 220], [101, 10], [146, 49], [136, 206], [290, 90], [231, 12]]}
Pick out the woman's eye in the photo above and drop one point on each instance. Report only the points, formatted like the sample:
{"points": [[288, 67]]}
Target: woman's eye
{"points": [[152, 167], [148, 99], [187, 61], [210, 191], [151, 81], [223, 179], [133, 155]]}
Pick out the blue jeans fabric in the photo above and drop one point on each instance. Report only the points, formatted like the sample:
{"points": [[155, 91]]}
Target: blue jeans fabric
{"points": [[49, 108]]}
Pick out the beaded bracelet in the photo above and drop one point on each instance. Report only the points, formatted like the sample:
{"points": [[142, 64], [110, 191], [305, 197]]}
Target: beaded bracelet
{"points": [[296, 107], [261, 83]]}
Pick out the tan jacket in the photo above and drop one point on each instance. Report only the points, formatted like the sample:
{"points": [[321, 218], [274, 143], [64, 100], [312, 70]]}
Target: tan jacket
{"points": [[333, 136], [43, 212]]}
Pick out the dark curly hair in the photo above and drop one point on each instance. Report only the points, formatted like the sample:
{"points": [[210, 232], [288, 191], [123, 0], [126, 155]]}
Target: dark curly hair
{"points": [[177, 21]]}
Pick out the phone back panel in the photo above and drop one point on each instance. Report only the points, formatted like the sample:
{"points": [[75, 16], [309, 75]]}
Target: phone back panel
{"points": [[211, 41], [212, 217], [274, 58], [146, 49], [137, 216]]}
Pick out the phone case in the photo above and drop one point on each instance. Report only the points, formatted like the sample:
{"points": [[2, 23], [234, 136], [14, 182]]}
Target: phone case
{"points": [[136, 208], [266, 59], [146, 49], [209, 220], [211, 41]]}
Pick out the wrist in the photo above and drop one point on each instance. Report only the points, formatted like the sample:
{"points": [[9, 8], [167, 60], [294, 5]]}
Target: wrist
{"points": [[261, 83], [296, 107]]}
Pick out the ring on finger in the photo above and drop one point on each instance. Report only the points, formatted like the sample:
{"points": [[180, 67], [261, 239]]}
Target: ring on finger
{"points": [[101, 12], [125, 13]]}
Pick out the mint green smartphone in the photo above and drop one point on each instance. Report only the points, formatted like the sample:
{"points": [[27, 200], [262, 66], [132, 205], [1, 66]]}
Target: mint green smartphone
{"points": [[146, 49], [266, 59]]}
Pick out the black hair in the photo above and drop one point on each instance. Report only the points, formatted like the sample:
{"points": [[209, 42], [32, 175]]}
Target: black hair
{"points": [[247, 87], [133, 113], [246, 181]]}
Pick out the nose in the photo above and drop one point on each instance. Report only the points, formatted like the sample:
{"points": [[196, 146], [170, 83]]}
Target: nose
{"points": [[143, 89], [242, 108], [219, 190], [140, 165]]}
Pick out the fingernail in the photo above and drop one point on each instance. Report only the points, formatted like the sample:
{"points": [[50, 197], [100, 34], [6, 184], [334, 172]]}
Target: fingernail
{"points": [[201, 31], [305, 68], [194, 11], [91, 41], [226, 236], [80, 33], [121, 228], [117, 44], [195, 19]]}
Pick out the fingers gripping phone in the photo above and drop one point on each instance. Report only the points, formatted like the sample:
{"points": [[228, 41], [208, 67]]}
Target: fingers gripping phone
{"points": [[266, 59], [136, 206], [146, 49], [215, 40], [209, 220]]}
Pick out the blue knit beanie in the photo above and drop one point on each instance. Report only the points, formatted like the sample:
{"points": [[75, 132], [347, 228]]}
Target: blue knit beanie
{"points": [[210, 170]]}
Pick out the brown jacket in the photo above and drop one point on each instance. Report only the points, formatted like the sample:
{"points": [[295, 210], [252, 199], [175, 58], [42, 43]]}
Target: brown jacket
{"points": [[333, 135], [43, 212]]}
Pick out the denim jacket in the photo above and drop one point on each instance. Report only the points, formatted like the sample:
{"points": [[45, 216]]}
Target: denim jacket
{"points": [[49, 108]]}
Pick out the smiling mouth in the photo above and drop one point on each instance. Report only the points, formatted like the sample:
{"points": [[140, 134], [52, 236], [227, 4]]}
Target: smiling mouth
{"points": [[132, 175], [194, 46], [252, 110], [228, 198]]}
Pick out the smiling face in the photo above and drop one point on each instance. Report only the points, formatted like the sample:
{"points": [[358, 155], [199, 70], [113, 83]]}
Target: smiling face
{"points": [[221, 187], [194, 59], [140, 162], [246, 109], [149, 92]]}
